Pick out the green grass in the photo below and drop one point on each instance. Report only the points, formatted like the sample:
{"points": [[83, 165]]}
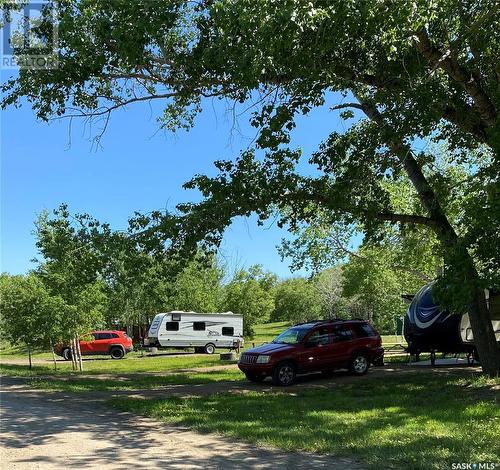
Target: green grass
{"points": [[425, 421], [129, 365], [93, 384]]}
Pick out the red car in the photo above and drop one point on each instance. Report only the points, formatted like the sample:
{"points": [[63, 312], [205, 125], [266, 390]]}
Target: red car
{"points": [[113, 342], [315, 346]]}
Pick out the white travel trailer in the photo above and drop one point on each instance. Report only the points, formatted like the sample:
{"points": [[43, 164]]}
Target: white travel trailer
{"points": [[203, 331]]}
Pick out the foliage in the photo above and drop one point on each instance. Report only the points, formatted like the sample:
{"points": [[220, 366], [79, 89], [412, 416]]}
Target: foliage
{"points": [[250, 293], [30, 314], [296, 300], [377, 289], [198, 288]]}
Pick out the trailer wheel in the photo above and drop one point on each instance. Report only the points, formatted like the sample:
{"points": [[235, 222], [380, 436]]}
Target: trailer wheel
{"points": [[209, 348], [66, 354]]}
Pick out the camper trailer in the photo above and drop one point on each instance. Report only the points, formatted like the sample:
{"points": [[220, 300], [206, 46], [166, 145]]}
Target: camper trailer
{"points": [[203, 331], [427, 328]]}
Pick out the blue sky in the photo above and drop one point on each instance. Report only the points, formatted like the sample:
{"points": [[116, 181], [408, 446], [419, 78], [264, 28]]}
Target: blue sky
{"points": [[137, 168]]}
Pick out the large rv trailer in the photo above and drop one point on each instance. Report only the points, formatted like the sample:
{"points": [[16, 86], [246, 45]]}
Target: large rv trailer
{"points": [[427, 328], [203, 331]]}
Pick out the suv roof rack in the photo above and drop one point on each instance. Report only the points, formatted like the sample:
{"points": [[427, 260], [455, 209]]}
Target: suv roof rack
{"points": [[330, 320]]}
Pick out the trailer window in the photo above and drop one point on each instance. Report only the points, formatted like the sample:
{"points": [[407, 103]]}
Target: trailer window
{"points": [[176, 317], [227, 331], [172, 326], [199, 326]]}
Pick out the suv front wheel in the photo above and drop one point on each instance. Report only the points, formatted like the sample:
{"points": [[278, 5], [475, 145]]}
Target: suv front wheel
{"points": [[359, 364], [284, 374]]}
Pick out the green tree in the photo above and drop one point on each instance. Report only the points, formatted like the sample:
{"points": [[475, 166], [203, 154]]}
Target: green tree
{"points": [[405, 71], [197, 288], [296, 300], [30, 315], [251, 293]]}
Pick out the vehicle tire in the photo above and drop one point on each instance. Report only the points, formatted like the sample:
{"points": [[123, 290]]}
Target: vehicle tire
{"points": [[66, 354], [254, 377], [209, 348], [359, 364], [117, 353], [284, 374]]}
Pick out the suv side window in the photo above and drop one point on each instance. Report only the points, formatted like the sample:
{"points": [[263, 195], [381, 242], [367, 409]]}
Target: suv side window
{"points": [[104, 336], [363, 330], [319, 337], [342, 333]]}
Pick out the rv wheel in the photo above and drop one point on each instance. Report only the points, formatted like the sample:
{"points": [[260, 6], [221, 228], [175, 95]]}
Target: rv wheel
{"points": [[209, 348]]}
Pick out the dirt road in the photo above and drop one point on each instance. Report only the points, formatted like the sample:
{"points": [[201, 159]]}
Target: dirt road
{"points": [[52, 430]]}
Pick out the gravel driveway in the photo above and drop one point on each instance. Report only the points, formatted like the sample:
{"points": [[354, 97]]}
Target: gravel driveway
{"points": [[53, 430]]}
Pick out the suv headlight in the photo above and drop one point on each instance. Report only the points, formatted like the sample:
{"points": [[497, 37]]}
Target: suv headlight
{"points": [[263, 359]]}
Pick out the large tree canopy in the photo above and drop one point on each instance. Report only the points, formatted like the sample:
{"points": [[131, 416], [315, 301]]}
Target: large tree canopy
{"points": [[406, 70]]}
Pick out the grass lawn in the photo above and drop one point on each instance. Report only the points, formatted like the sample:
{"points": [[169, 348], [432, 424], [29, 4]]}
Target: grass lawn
{"points": [[416, 422], [135, 382], [130, 365]]}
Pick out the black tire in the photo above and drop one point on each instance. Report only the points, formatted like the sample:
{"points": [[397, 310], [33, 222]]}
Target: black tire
{"points": [[117, 353], [359, 364], [284, 374], [66, 354], [254, 377], [209, 348]]}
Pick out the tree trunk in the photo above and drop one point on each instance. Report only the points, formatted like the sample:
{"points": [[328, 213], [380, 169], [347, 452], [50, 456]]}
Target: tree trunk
{"points": [[29, 356], [53, 355], [73, 354], [482, 328], [80, 361], [484, 335]]}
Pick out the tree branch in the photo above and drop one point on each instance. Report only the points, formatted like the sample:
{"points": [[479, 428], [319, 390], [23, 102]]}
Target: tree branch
{"points": [[447, 61]]}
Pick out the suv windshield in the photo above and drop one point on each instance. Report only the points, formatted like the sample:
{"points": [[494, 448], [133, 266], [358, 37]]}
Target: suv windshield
{"points": [[291, 336]]}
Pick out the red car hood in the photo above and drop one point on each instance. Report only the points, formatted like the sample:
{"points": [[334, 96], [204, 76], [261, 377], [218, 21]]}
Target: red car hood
{"points": [[269, 348]]}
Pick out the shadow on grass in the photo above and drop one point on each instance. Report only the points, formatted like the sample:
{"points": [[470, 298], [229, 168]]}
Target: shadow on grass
{"points": [[424, 421]]}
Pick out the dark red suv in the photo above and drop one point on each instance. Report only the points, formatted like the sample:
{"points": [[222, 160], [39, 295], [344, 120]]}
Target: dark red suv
{"points": [[113, 342], [315, 346]]}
